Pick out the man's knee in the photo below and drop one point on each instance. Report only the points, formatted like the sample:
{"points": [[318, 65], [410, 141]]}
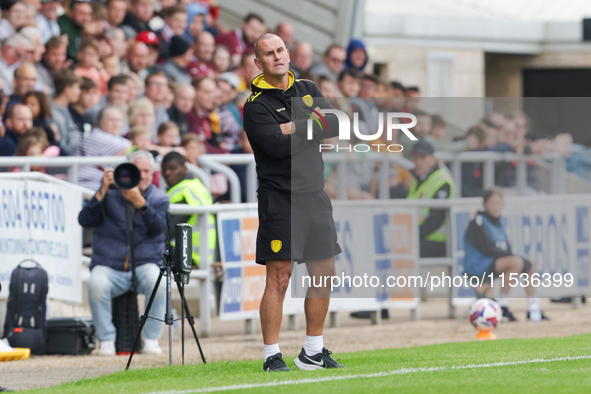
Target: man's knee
{"points": [[278, 278], [99, 284]]}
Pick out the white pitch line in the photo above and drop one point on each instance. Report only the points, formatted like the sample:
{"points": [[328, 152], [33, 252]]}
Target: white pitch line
{"points": [[371, 375]]}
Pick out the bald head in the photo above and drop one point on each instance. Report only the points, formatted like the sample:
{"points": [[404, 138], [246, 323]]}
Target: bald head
{"points": [[272, 57], [285, 32], [264, 39], [25, 77], [302, 56], [204, 46], [137, 56]]}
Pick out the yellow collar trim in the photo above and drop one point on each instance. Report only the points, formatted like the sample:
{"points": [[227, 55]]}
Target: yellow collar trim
{"points": [[260, 82]]}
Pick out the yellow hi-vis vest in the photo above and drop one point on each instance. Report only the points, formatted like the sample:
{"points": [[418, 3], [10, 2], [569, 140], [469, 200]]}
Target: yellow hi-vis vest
{"points": [[193, 192], [427, 190]]}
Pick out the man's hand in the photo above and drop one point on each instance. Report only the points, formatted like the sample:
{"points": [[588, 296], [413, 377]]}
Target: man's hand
{"points": [[287, 128], [135, 197], [107, 181]]}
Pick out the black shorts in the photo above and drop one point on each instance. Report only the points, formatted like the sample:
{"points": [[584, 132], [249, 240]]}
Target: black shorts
{"points": [[492, 270], [311, 235]]}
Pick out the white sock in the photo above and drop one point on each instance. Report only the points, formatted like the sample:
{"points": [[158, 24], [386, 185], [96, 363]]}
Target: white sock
{"points": [[313, 345], [502, 301], [271, 350], [107, 344], [533, 304]]}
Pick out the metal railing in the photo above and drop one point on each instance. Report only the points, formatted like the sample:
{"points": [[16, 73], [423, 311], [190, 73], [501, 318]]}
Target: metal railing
{"points": [[219, 163]]}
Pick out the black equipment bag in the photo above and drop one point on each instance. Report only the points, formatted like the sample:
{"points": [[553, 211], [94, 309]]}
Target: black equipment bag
{"points": [[71, 335], [26, 325], [126, 321]]}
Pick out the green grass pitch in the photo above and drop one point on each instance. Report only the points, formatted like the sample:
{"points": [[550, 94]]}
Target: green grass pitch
{"points": [[537, 365]]}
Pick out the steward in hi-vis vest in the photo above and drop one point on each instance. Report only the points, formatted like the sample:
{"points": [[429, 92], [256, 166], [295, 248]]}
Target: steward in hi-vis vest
{"points": [[430, 181], [183, 189]]}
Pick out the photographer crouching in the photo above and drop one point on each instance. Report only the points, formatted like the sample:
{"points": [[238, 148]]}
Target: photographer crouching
{"points": [[111, 272]]}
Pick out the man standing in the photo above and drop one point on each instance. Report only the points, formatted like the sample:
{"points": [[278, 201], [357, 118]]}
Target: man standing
{"points": [[430, 181], [156, 91], [184, 189], [110, 271], [275, 140]]}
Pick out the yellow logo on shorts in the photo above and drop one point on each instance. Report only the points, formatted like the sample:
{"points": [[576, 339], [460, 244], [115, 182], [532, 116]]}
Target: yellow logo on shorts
{"points": [[308, 100], [276, 245]]}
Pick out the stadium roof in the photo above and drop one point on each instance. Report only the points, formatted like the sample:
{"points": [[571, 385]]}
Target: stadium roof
{"points": [[527, 10]]}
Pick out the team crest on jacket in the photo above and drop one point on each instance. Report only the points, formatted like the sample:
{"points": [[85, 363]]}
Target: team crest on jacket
{"points": [[308, 100], [276, 245]]}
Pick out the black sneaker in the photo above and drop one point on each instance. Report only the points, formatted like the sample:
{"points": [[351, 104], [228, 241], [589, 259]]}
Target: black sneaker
{"points": [[321, 360], [544, 317], [275, 363], [367, 314], [507, 315], [5, 389]]}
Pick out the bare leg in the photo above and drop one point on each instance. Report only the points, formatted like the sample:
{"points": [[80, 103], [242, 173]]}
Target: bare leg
{"points": [[508, 265], [318, 298], [278, 275]]}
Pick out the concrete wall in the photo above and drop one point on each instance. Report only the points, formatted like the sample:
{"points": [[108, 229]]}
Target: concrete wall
{"points": [[504, 72], [319, 22], [410, 66]]}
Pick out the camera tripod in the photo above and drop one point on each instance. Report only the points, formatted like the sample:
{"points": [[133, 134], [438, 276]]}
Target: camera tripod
{"points": [[169, 271]]}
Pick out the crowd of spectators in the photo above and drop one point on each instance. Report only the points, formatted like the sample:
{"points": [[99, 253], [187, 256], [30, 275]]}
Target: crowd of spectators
{"points": [[106, 78]]}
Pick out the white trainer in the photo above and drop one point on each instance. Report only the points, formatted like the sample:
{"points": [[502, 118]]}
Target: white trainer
{"points": [[107, 348], [151, 346]]}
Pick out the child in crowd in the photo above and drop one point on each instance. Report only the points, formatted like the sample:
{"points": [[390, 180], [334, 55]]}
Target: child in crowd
{"points": [[111, 65], [488, 252], [79, 109], [193, 147], [88, 66], [40, 106], [34, 143], [168, 134]]}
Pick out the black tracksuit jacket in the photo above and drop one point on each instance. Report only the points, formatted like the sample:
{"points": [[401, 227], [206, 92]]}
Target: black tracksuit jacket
{"points": [[287, 163]]}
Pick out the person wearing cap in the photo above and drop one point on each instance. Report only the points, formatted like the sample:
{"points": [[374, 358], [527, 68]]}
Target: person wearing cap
{"points": [[72, 24], [13, 18], [430, 181], [47, 20], [175, 67], [184, 100], [151, 40]]}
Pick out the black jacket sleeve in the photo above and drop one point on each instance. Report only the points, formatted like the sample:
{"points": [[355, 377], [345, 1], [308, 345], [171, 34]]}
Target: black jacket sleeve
{"points": [[436, 216], [479, 237], [332, 122], [265, 131]]}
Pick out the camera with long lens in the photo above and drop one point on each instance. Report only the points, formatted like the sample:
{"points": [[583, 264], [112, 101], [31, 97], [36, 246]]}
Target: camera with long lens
{"points": [[126, 176]]}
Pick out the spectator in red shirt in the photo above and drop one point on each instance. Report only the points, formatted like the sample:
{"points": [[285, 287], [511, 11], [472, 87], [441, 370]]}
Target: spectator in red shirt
{"points": [[242, 40], [203, 48]]}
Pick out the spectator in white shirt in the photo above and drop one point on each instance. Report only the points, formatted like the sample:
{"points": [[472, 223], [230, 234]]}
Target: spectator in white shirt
{"points": [[47, 20], [104, 140]]}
